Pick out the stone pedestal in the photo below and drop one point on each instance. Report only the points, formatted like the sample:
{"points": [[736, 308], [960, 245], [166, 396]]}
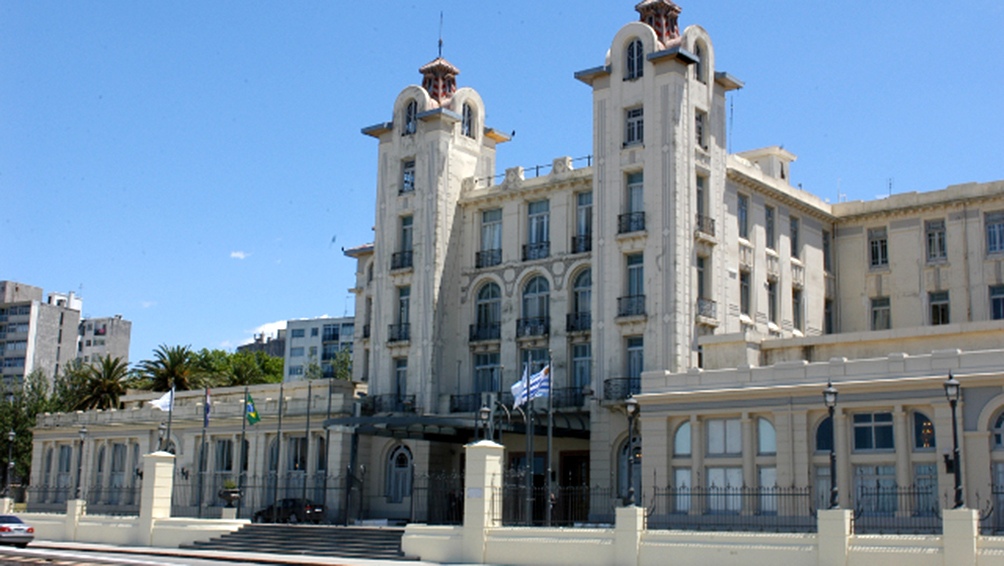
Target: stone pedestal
{"points": [[483, 485], [961, 529], [629, 525], [834, 536], [155, 499]]}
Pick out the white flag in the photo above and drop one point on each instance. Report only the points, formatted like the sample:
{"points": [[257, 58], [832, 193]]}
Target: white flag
{"points": [[519, 389], [166, 401]]}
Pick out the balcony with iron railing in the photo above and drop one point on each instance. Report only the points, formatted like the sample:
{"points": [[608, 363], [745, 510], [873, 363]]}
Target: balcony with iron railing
{"points": [[401, 260], [630, 222], [568, 397], [485, 331], [487, 258], [389, 403], [465, 403], [620, 388], [706, 308], [538, 250], [582, 244], [534, 326], [399, 332], [705, 226], [632, 305], [579, 322]]}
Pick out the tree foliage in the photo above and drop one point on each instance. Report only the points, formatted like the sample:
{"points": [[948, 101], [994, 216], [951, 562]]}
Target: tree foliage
{"points": [[106, 381], [175, 366]]}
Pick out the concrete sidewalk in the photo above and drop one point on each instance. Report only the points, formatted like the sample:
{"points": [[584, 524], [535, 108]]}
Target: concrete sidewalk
{"points": [[229, 556]]}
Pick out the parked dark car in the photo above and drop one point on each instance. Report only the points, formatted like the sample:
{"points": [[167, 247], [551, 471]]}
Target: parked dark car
{"points": [[290, 511], [14, 531]]}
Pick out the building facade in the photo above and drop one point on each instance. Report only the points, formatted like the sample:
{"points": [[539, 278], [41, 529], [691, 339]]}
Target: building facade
{"points": [[107, 336], [35, 334], [316, 342]]}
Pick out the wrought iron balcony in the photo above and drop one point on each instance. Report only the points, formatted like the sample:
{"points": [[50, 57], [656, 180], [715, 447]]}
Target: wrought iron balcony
{"points": [[620, 388], [539, 250], [705, 225], [707, 308], [582, 244], [565, 397], [401, 260], [632, 305], [485, 331], [630, 222], [537, 326], [487, 258], [467, 403], [399, 332], [393, 403], [579, 322]]}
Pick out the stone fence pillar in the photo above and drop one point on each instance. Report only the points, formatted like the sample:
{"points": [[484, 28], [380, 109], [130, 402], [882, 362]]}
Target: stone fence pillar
{"points": [[482, 497], [155, 499], [834, 536], [961, 528], [629, 525]]}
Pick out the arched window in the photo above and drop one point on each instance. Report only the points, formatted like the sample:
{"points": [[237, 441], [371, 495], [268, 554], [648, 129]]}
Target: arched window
{"points": [[410, 118], [766, 437], [923, 431], [700, 66], [582, 292], [467, 122], [824, 435], [622, 468], [398, 474], [635, 59], [681, 440], [998, 432], [489, 305]]}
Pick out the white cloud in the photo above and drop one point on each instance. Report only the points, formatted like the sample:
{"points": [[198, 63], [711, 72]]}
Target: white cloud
{"points": [[239, 255], [268, 329], [148, 304]]}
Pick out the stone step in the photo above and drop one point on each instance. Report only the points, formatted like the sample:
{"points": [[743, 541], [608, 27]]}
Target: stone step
{"points": [[347, 542]]}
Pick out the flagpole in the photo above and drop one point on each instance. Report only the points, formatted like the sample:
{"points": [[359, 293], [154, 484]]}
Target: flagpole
{"points": [[306, 434], [242, 471], [170, 413], [529, 447], [550, 432], [278, 446], [327, 444], [202, 454]]}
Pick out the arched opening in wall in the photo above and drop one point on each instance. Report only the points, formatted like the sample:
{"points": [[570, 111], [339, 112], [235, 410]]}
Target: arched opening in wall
{"points": [[701, 66], [582, 295], [410, 124], [634, 60], [536, 309], [488, 315], [398, 480]]}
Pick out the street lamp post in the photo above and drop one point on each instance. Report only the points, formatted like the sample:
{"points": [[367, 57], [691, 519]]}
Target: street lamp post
{"points": [[10, 459], [631, 405], [80, 459], [830, 398], [485, 413], [952, 392]]}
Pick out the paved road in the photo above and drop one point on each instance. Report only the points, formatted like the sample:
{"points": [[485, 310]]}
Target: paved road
{"points": [[58, 557]]}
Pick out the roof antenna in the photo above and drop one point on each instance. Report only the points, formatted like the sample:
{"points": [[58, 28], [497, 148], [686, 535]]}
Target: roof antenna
{"points": [[440, 34]]}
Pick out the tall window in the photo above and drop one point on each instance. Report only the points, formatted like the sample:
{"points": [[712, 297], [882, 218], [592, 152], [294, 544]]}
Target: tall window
{"points": [[701, 196], [724, 437], [635, 275], [407, 223], [467, 121], [881, 314], [296, 454], [635, 192], [742, 216], [538, 226], [995, 232], [681, 440], [827, 247], [923, 431], [410, 118], [582, 292], [536, 299], [796, 309], [772, 301], [634, 67], [997, 302], [491, 238], [939, 307], [873, 431], [224, 456], [744, 292], [824, 435], [583, 241], [766, 437], [487, 374], [828, 322], [533, 359], [878, 247], [398, 475], [400, 376], [489, 306], [793, 236], [699, 66], [937, 244], [701, 128], [635, 356], [403, 304], [634, 126], [702, 279], [408, 176], [582, 363], [768, 226]]}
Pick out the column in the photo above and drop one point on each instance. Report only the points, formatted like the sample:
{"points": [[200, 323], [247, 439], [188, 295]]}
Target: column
{"points": [[749, 452], [903, 447], [843, 447], [155, 500], [483, 489]]}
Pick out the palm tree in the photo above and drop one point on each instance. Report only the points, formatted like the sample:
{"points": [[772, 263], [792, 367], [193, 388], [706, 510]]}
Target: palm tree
{"points": [[107, 380], [170, 367]]}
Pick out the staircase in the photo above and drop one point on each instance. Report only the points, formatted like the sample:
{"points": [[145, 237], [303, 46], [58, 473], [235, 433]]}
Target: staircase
{"points": [[345, 542]]}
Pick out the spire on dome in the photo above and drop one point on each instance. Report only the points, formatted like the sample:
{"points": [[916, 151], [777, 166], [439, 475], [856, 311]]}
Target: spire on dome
{"points": [[661, 15], [439, 79]]}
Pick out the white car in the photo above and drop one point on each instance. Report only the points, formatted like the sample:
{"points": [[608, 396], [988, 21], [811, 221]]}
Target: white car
{"points": [[14, 531]]}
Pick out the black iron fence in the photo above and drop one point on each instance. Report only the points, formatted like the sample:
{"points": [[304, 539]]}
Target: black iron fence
{"points": [[769, 509], [897, 510], [564, 506], [485, 331], [487, 258], [630, 222], [202, 494], [992, 513], [632, 305], [620, 388], [438, 499]]}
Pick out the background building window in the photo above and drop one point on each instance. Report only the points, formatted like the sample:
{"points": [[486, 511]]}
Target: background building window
{"points": [[410, 118], [770, 234], [408, 176], [701, 129], [997, 302], [724, 437], [742, 216], [796, 309], [635, 356], [939, 307], [824, 436], [995, 232], [881, 314], [827, 251], [937, 247], [772, 302], [873, 431], [744, 292], [398, 475], [793, 236], [923, 431], [681, 440], [634, 67], [878, 247], [634, 126], [487, 372], [467, 121], [582, 365], [766, 437]]}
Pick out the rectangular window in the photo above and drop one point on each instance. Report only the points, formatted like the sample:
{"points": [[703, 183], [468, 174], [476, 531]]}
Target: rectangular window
{"points": [[768, 226], [297, 333], [939, 307], [403, 304], [793, 237], [313, 331], [491, 229], [701, 129], [407, 223], [995, 232], [873, 431], [538, 216], [634, 132], [400, 376], [224, 455], [878, 247], [997, 302], [635, 194], [296, 352], [724, 437], [584, 214], [331, 333], [408, 176], [772, 302], [295, 370], [728, 497], [881, 314], [796, 309], [742, 216], [702, 280], [533, 358], [875, 489], [828, 322], [582, 363], [937, 246], [827, 247], [635, 356], [487, 372], [744, 292], [635, 275]]}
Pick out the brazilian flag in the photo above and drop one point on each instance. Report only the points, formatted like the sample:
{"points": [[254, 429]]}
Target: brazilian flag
{"points": [[250, 411]]}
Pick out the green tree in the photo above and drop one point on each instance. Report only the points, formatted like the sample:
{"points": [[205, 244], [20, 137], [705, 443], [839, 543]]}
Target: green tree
{"points": [[342, 365], [18, 413], [107, 381], [171, 366]]}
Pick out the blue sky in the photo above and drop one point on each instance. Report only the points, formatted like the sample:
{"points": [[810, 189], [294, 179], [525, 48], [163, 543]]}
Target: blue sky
{"points": [[198, 166]]}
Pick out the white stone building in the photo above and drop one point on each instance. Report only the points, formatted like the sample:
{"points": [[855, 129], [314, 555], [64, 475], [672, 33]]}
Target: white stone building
{"points": [[315, 341]]}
